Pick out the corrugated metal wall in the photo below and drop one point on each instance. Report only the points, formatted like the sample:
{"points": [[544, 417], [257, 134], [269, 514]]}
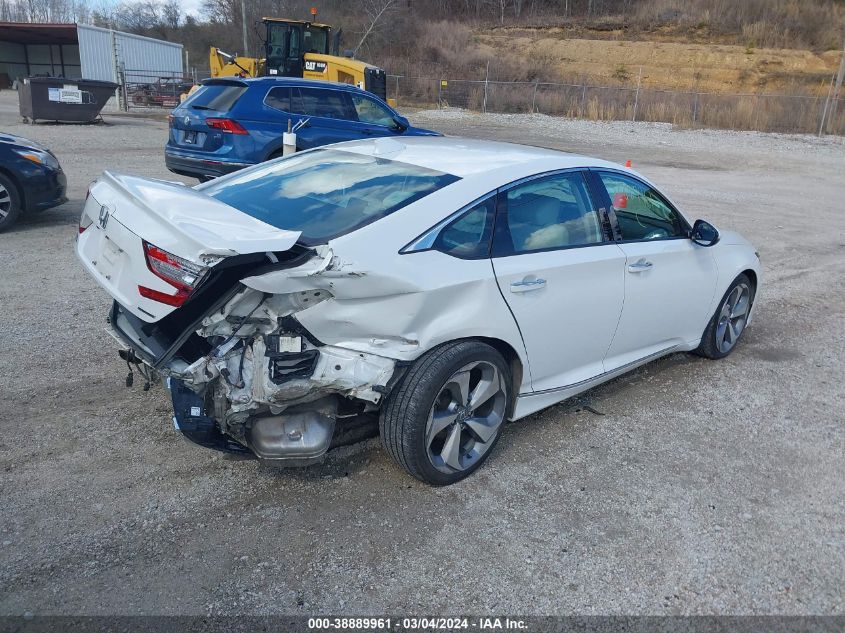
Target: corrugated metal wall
{"points": [[139, 56], [95, 53]]}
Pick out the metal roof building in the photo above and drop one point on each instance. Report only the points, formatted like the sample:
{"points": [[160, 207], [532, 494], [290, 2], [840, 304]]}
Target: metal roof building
{"points": [[82, 51]]}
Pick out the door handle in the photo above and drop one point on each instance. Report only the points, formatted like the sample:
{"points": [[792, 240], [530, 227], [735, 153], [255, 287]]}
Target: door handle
{"points": [[527, 285], [640, 266]]}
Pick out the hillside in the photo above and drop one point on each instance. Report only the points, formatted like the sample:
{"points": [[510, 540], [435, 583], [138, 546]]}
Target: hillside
{"points": [[665, 64]]}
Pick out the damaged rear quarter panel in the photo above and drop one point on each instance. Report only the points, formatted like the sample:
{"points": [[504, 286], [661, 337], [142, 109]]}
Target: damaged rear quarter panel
{"points": [[398, 306]]}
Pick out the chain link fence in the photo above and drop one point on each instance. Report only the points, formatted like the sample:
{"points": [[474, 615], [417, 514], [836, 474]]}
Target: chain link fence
{"points": [[810, 114], [761, 112], [146, 90]]}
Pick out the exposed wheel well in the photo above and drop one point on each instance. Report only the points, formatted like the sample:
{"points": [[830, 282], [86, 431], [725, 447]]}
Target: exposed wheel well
{"points": [[752, 276], [510, 355]]}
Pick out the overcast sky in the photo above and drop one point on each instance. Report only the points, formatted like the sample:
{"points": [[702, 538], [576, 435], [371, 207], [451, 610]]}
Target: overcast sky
{"points": [[191, 6], [188, 6]]}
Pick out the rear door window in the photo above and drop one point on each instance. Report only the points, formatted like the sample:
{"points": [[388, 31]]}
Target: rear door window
{"points": [[329, 104], [279, 98], [547, 213], [326, 193], [219, 97]]}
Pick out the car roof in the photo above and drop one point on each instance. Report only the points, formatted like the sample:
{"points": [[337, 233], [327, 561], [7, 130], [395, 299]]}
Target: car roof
{"points": [[465, 157], [283, 81]]}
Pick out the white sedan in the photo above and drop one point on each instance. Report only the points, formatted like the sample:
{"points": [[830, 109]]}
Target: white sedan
{"points": [[447, 284]]}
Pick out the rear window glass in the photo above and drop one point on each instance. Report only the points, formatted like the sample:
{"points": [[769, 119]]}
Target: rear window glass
{"points": [[219, 97], [326, 193]]}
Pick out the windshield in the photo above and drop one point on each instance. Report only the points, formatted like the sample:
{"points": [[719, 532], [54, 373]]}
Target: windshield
{"points": [[314, 40], [326, 193]]}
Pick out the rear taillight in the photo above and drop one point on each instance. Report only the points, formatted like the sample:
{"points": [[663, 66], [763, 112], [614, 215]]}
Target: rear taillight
{"points": [[179, 273], [226, 125], [84, 222]]}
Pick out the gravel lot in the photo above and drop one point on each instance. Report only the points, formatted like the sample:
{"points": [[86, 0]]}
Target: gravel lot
{"points": [[706, 488]]}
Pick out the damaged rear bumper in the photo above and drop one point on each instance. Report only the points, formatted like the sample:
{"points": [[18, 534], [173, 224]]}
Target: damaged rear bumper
{"points": [[295, 439], [262, 386], [191, 419]]}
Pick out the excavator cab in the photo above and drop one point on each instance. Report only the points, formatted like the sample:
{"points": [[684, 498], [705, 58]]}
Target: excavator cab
{"points": [[296, 48], [289, 41]]}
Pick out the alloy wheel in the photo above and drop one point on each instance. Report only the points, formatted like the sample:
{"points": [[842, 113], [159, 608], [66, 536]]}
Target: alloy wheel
{"points": [[733, 317], [466, 416], [5, 202]]}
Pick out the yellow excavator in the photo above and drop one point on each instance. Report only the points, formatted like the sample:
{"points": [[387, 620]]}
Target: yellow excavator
{"points": [[297, 48]]}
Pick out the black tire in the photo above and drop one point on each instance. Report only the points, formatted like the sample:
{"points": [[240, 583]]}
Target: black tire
{"points": [[405, 414], [9, 215], [709, 346]]}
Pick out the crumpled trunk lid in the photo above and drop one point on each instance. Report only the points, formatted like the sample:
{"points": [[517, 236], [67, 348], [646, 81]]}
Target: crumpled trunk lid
{"points": [[126, 211], [184, 221]]}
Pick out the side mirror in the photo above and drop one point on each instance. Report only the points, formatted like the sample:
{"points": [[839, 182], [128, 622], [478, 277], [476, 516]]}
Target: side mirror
{"points": [[401, 123], [704, 234]]}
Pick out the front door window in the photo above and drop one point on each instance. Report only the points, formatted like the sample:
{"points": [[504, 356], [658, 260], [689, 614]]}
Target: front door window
{"points": [[641, 212]]}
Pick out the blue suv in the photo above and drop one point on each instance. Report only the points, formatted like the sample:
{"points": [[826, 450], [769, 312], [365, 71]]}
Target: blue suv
{"points": [[232, 123]]}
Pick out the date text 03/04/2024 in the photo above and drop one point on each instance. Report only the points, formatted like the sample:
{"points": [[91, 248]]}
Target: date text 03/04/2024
{"points": [[412, 623]]}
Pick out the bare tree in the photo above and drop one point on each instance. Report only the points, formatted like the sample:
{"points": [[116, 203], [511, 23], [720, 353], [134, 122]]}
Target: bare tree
{"points": [[171, 12], [375, 10]]}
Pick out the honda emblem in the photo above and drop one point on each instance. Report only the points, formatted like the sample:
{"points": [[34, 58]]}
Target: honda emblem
{"points": [[104, 217]]}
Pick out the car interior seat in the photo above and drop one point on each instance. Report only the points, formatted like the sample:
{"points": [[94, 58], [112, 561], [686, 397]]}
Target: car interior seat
{"points": [[536, 223]]}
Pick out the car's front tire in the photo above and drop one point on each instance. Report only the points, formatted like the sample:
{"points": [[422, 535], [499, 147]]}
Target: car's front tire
{"points": [[728, 323], [10, 203], [442, 420]]}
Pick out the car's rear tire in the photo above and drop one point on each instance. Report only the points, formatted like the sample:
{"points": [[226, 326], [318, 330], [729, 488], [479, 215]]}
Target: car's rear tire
{"points": [[728, 323], [443, 419], [10, 203]]}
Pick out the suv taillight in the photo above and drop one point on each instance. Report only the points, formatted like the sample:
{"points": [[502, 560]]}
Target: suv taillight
{"points": [[179, 273], [226, 125]]}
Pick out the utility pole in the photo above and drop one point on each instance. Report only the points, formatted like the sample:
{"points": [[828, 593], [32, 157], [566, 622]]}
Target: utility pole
{"points": [[826, 105], [637, 97], [486, 80], [243, 24], [837, 88]]}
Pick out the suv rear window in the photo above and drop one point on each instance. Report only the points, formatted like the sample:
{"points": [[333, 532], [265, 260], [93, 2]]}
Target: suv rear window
{"points": [[326, 193], [220, 97]]}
